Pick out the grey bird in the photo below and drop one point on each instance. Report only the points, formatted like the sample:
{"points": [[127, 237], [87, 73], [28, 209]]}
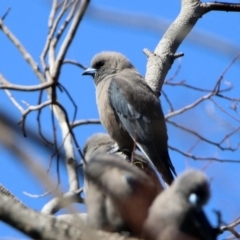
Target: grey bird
{"points": [[130, 111], [128, 188], [177, 212], [101, 212], [103, 143]]}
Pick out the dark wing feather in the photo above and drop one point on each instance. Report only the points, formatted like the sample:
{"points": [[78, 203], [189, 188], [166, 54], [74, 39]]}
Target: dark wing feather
{"points": [[140, 112], [198, 226], [136, 123]]}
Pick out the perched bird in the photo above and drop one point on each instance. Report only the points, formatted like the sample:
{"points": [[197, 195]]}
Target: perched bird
{"points": [[101, 212], [130, 111], [126, 187], [103, 143], [177, 214]]}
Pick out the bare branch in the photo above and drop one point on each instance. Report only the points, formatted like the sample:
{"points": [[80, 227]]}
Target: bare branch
{"points": [[230, 227], [221, 6], [30, 109], [168, 101], [60, 202], [190, 106], [224, 111], [5, 191], [85, 122], [37, 195], [203, 158], [6, 13], [74, 63], [13, 100], [70, 35], [52, 28], [66, 22], [52, 13], [7, 85], [183, 84], [23, 51], [34, 224], [161, 60], [159, 25], [196, 134]]}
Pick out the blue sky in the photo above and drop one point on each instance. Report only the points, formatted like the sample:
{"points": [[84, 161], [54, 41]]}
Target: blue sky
{"points": [[201, 66]]}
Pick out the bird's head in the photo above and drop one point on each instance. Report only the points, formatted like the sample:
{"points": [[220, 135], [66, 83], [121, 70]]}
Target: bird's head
{"points": [[194, 187], [97, 143], [105, 64]]}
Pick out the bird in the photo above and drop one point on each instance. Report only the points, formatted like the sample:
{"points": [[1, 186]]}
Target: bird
{"points": [[177, 214], [103, 143], [101, 213], [130, 111], [126, 187]]}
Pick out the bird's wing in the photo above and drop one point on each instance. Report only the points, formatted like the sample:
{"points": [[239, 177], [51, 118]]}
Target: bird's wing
{"points": [[140, 113], [198, 225], [125, 100]]}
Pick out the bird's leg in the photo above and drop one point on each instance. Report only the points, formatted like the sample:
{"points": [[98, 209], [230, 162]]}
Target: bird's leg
{"points": [[124, 152]]}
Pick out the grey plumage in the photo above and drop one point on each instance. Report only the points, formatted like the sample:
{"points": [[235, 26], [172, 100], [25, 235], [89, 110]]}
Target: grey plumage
{"points": [[99, 142], [129, 110], [128, 188], [177, 212], [103, 143], [102, 213]]}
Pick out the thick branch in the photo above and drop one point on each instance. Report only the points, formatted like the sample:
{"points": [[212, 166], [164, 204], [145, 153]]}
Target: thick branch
{"points": [[42, 226], [162, 59], [34, 224]]}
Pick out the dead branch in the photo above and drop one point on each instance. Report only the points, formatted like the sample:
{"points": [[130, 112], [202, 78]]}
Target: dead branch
{"points": [[85, 122], [61, 202], [7, 85], [196, 134], [189, 155]]}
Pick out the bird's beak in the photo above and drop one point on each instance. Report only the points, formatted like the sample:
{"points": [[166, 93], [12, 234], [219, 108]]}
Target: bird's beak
{"points": [[90, 71]]}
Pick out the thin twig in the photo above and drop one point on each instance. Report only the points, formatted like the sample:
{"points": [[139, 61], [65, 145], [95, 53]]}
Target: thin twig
{"points": [[85, 122], [23, 51], [6, 85], [69, 61], [30, 109], [196, 134], [70, 35], [203, 158]]}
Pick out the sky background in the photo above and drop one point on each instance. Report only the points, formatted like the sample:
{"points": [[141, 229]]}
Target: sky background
{"points": [[201, 66]]}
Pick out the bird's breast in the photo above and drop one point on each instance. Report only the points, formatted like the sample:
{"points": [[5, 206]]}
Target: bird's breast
{"points": [[109, 119]]}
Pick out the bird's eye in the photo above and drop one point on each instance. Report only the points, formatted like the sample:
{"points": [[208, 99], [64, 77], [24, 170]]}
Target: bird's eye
{"points": [[193, 199], [99, 64]]}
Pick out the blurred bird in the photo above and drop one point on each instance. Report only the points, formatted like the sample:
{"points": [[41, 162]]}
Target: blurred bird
{"points": [[177, 214], [130, 111], [101, 213], [103, 143], [127, 188]]}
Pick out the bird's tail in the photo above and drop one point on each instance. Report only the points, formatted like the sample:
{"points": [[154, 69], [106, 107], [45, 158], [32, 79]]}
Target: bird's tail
{"points": [[160, 160]]}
